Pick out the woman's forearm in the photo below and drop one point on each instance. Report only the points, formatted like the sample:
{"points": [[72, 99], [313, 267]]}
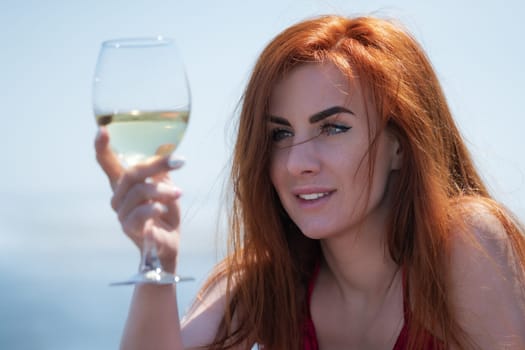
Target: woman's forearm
{"points": [[153, 320]]}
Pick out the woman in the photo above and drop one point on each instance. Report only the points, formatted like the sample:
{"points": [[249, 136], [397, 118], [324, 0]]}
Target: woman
{"points": [[358, 218]]}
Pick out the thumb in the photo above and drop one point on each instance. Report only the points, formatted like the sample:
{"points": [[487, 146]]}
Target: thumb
{"points": [[106, 157]]}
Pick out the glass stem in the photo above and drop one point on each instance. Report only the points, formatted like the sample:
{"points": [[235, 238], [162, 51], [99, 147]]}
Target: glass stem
{"points": [[150, 260]]}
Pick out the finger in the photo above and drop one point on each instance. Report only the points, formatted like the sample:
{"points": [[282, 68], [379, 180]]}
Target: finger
{"points": [[167, 244], [106, 157], [147, 192], [135, 223], [139, 173], [162, 177], [172, 218]]}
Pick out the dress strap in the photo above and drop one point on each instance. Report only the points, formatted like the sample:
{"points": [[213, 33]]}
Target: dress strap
{"points": [[310, 337]]}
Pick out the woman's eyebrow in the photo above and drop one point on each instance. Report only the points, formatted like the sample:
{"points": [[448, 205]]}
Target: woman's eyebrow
{"points": [[328, 112], [279, 120], [315, 117]]}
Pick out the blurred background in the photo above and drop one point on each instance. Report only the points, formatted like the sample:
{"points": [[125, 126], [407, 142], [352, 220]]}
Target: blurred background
{"points": [[60, 243]]}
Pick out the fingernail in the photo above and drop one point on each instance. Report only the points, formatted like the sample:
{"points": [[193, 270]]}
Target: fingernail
{"points": [[161, 207], [171, 190], [175, 162]]}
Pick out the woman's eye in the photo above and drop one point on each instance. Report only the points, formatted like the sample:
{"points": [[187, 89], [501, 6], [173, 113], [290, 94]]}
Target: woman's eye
{"points": [[333, 129], [280, 134]]}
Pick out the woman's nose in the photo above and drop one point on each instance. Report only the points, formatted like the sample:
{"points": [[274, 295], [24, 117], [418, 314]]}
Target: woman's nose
{"points": [[303, 158]]}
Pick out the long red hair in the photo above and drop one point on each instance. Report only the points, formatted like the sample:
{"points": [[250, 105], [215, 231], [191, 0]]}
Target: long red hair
{"points": [[270, 262]]}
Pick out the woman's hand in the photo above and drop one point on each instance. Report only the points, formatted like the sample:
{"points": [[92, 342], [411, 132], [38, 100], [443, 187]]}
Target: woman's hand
{"points": [[145, 199]]}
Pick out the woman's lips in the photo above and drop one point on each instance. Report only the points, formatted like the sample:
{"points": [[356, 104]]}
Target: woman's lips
{"points": [[313, 196]]}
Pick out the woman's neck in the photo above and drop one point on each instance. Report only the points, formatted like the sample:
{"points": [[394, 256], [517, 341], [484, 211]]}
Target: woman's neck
{"points": [[359, 259], [359, 262]]}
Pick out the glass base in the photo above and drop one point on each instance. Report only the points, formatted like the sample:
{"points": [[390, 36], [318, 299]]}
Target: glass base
{"points": [[155, 276]]}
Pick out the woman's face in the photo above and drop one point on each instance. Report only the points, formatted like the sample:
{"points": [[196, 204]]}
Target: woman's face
{"points": [[322, 126]]}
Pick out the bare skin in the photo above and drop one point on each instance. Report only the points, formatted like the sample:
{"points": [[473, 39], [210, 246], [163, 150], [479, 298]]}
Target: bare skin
{"points": [[357, 302], [322, 183]]}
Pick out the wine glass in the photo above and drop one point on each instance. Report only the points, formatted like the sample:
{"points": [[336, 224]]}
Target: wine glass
{"points": [[141, 95]]}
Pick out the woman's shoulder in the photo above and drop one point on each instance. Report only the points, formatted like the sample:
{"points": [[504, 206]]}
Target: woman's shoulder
{"points": [[480, 241], [201, 322], [482, 226], [480, 217], [487, 274]]}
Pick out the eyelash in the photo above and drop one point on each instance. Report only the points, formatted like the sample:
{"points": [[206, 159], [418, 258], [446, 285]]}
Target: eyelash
{"points": [[333, 129], [277, 134], [327, 129]]}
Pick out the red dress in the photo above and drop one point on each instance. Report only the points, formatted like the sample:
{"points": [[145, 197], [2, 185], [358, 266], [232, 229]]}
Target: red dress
{"points": [[310, 337]]}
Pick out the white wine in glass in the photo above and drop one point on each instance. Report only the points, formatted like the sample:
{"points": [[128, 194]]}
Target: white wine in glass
{"points": [[141, 95], [139, 135]]}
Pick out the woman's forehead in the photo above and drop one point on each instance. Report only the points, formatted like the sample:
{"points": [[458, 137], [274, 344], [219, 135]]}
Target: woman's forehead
{"points": [[314, 86]]}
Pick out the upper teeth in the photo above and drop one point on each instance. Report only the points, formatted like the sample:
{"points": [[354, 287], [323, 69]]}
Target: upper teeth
{"points": [[312, 196]]}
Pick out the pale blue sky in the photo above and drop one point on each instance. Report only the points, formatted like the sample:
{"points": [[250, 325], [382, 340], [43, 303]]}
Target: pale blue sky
{"points": [[50, 47]]}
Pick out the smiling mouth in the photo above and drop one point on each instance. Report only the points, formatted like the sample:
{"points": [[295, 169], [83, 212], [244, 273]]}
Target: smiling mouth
{"points": [[313, 196]]}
